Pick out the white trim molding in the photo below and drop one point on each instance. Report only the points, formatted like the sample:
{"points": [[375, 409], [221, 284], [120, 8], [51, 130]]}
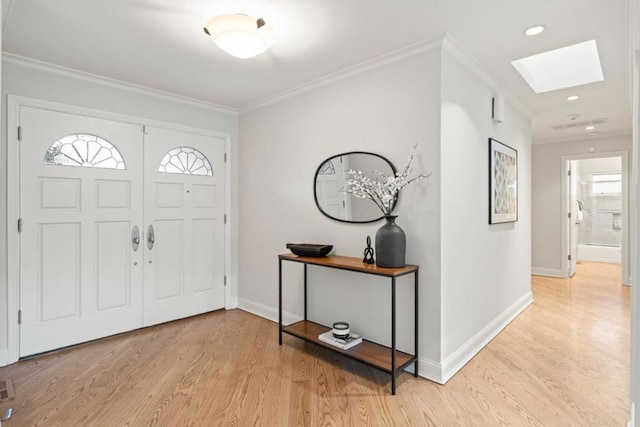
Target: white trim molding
{"points": [[4, 357], [455, 49], [267, 312], [549, 272], [13, 241], [452, 364], [428, 45], [430, 370], [11, 58]]}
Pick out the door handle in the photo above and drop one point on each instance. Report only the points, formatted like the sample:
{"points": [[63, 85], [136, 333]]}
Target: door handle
{"points": [[151, 237], [135, 238]]}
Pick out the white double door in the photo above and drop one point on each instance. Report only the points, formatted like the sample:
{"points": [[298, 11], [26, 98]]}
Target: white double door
{"points": [[120, 228]]}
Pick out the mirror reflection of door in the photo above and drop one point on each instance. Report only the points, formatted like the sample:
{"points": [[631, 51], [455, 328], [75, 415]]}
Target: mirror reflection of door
{"points": [[329, 181], [331, 177]]}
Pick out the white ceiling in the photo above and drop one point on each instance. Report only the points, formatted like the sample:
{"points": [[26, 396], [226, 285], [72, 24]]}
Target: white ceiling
{"points": [[160, 44]]}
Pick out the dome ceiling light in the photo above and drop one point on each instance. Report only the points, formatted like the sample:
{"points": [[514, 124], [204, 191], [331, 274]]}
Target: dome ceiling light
{"points": [[240, 35]]}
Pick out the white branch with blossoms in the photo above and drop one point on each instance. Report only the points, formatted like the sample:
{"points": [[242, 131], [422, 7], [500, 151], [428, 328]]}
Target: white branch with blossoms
{"points": [[382, 189]]}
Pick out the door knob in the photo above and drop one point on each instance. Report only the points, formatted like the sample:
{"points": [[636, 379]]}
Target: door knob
{"points": [[151, 237], [135, 238]]}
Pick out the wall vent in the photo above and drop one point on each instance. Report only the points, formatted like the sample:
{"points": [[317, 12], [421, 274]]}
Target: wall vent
{"points": [[581, 123]]}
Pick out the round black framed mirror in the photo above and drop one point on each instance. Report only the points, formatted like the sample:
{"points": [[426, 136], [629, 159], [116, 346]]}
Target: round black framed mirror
{"points": [[330, 178]]}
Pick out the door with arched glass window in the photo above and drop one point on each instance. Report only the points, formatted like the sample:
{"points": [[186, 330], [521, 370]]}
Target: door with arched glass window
{"points": [[91, 264], [81, 191], [184, 217]]}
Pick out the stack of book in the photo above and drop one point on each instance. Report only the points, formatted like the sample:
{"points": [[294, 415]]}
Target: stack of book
{"points": [[343, 343]]}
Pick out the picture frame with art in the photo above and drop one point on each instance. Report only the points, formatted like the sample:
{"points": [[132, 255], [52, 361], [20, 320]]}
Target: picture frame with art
{"points": [[503, 183]]}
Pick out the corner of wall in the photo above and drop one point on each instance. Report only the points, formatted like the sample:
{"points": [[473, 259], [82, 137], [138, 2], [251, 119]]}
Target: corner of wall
{"points": [[430, 370], [466, 352], [455, 49]]}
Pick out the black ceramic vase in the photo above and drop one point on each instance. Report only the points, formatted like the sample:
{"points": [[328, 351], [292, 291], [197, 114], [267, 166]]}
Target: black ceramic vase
{"points": [[391, 244]]}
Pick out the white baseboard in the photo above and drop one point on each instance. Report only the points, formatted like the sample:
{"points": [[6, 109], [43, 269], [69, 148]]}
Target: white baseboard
{"points": [[267, 312], [430, 370], [4, 357], [551, 272], [452, 364], [601, 259], [632, 416]]}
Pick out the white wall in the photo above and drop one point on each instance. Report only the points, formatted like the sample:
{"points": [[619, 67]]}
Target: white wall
{"points": [[485, 268], [385, 110], [546, 248], [465, 296], [37, 81]]}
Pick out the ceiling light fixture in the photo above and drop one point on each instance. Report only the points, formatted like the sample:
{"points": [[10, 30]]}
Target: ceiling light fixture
{"points": [[240, 35], [573, 97], [534, 30], [590, 128]]}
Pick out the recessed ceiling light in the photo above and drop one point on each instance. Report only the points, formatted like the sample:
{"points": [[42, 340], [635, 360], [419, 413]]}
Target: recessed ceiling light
{"points": [[569, 66], [590, 128], [534, 30], [573, 97]]}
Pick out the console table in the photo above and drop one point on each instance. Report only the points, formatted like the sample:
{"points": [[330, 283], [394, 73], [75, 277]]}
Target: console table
{"points": [[386, 359]]}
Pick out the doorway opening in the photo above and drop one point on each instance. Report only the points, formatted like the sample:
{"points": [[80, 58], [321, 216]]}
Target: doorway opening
{"points": [[595, 212]]}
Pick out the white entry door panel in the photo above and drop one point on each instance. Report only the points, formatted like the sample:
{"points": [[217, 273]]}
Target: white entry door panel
{"points": [[80, 198], [184, 224]]}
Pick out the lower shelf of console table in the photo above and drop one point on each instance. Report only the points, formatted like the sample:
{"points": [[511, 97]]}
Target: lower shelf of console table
{"points": [[387, 359], [372, 354]]}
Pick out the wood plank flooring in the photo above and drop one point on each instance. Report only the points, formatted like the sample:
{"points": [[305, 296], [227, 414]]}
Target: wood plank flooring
{"points": [[563, 362]]}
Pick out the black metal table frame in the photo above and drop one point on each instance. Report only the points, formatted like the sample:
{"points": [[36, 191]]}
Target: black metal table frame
{"points": [[394, 368]]}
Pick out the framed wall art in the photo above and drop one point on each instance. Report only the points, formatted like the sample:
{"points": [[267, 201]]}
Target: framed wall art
{"points": [[503, 183]]}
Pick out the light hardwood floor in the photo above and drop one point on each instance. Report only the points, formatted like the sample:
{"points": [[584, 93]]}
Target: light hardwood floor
{"points": [[564, 361]]}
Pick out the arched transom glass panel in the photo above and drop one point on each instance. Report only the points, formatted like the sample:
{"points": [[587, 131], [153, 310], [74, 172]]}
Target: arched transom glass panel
{"points": [[84, 150], [187, 161], [327, 168]]}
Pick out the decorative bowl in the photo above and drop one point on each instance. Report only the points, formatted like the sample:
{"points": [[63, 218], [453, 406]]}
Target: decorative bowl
{"points": [[309, 249]]}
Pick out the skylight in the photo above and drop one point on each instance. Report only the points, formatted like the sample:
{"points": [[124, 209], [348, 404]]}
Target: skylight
{"points": [[569, 66]]}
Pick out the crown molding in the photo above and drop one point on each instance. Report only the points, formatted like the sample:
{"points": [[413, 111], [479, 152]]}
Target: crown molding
{"points": [[382, 60], [453, 48], [24, 61], [443, 41]]}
